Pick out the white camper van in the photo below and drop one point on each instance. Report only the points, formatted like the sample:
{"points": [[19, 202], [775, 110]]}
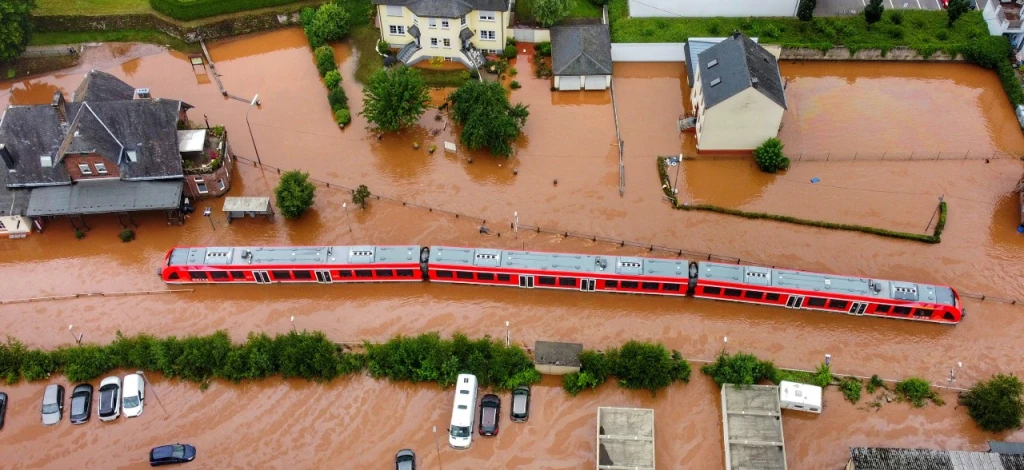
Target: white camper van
{"points": [[460, 434], [800, 397]]}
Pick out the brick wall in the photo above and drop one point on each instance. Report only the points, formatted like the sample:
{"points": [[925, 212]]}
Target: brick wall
{"points": [[71, 164]]}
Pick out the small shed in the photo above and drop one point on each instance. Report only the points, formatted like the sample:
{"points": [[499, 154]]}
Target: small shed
{"points": [[191, 140], [625, 438], [800, 397], [239, 207], [581, 57], [554, 358]]}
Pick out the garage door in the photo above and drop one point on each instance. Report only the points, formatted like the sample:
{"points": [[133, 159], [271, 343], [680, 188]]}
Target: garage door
{"points": [[595, 82], [569, 83]]}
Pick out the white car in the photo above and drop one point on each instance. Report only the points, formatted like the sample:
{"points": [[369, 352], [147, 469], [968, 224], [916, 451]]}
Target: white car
{"points": [[109, 399], [134, 393]]}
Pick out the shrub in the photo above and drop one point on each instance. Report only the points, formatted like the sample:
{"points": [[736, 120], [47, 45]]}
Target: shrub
{"points": [[337, 98], [916, 391], [474, 74], [310, 356], [874, 383], [382, 47], [739, 369], [805, 9], [543, 48], [769, 156], [37, 365], [325, 62], [306, 16], [84, 363], [549, 12], [126, 235], [294, 194], [955, 9], [343, 117], [514, 85], [576, 382], [512, 72], [510, 51], [79, 234], [330, 23], [332, 80], [648, 366], [873, 11], [851, 387], [822, 377], [361, 196], [599, 3], [12, 354], [136, 352], [896, 17], [995, 404]]}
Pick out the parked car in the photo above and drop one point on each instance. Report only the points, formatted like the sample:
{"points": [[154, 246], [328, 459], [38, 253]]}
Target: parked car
{"points": [[110, 399], [520, 409], [53, 404], [405, 459], [171, 454], [81, 403], [134, 392], [3, 408], [490, 412]]}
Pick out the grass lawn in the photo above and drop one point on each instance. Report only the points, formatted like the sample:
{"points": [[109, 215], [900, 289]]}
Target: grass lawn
{"points": [[577, 9], [91, 7], [124, 35], [364, 39]]}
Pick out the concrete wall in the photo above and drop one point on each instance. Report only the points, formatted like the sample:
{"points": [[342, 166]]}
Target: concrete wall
{"points": [[233, 26], [648, 52], [842, 53], [555, 370], [738, 8], [531, 35], [740, 123]]}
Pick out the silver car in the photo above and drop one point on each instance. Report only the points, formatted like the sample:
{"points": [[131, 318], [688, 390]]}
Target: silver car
{"points": [[53, 404]]}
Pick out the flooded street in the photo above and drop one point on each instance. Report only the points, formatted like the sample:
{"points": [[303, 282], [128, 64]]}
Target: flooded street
{"points": [[569, 137]]}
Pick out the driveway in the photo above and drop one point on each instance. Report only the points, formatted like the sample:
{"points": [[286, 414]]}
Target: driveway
{"points": [[854, 7]]}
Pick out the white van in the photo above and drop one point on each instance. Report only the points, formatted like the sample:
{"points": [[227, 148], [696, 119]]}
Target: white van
{"points": [[460, 434]]}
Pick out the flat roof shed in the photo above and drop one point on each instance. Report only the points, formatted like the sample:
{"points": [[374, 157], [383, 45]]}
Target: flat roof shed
{"points": [[239, 207], [752, 423], [625, 438], [557, 358]]}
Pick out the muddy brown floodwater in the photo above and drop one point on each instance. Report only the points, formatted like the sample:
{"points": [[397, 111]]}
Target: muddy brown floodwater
{"points": [[569, 137]]}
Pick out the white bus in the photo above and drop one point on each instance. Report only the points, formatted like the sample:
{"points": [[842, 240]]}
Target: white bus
{"points": [[460, 434]]}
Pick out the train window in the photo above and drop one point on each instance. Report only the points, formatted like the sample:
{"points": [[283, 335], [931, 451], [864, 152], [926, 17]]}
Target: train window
{"points": [[567, 281], [218, 275], [947, 316], [733, 292], [670, 286], [173, 275], [901, 310], [838, 304], [882, 309], [485, 276], [650, 285], [404, 273], [772, 297], [237, 275], [364, 273], [385, 273], [815, 302], [197, 275], [345, 273], [923, 312], [447, 274], [712, 290], [611, 284], [282, 275], [504, 277], [463, 275], [753, 294], [629, 284], [302, 275], [545, 280]]}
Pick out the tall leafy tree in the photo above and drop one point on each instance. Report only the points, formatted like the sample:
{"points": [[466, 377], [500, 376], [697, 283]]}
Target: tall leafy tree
{"points": [[996, 404], [956, 9], [15, 28], [395, 98], [548, 12], [873, 11], [329, 23], [294, 194], [488, 119]]}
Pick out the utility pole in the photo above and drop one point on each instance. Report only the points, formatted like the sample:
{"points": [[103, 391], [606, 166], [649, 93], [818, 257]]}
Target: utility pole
{"points": [[255, 102], [78, 339], [208, 213]]}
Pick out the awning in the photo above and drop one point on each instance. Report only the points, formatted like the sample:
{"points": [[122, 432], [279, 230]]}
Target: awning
{"points": [[105, 196], [191, 140]]}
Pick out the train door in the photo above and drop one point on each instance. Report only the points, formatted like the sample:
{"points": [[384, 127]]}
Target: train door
{"points": [[323, 277], [795, 301], [526, 282], [261, 277], [858, 308], [588, 285]]}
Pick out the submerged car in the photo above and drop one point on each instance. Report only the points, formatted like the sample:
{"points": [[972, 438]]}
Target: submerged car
{"points": [[53, 404], [81, 403], [110, 399], [490, 411], [3, 408], [134, 392], [405, 459], [520, 409], [171, 454]]}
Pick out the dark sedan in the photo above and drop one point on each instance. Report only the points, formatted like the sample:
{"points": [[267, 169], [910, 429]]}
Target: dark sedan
{"points": [[405, 459], [171, 454], [3, 408], [81, 403], [490, 411]]}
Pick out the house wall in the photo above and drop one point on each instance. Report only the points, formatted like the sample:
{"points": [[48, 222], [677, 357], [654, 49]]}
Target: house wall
{"points": [[211, 180], [71, 162], [500, 26], [740, 123], [736, 8], [548, 369], [577, 82]]}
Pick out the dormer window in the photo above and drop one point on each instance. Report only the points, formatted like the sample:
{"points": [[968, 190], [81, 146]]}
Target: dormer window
{"points": [[133, 156], [101, 169], [46, 161], [713, 63], [716, 81], [84, 168]]}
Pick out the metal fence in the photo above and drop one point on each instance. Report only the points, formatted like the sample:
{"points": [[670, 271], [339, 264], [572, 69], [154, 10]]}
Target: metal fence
{"points": [[895, 155]]}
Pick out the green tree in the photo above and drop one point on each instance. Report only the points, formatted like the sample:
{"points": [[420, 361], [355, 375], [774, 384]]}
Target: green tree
{"points": [[873, 11], [294, 194], [361, 196], [769, 156], [739, 369], [956, 9], [324, 57], [805, 10], [15, 27], [548, 12], [332, 79], [395, 98], [995, 404], [488, 119], [329, 23]]}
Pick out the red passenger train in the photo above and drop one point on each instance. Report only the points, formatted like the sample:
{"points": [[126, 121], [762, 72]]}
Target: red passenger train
{"points": [[587, 273]]}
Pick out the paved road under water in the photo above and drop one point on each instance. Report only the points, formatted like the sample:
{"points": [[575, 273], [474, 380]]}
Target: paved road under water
{"points": [[571, 138]]}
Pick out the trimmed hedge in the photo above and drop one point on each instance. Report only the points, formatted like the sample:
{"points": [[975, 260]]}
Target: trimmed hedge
{"points": [[935, 237], [637, 366], [187, 10]]}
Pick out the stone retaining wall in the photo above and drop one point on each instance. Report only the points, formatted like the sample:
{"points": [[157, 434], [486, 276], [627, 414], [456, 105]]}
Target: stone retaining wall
{"points": [[842, 53], [235, 26]]}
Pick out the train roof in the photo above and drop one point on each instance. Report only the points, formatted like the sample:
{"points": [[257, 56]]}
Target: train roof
{"points": [[564, 262], [318, 255], [783, 278]]}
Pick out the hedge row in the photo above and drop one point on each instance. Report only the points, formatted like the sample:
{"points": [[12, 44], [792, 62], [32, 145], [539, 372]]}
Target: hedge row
{"points": [[187, 10], [935, 237], [637, 365]]}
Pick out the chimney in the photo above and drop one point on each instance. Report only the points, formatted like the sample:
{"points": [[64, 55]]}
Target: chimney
{"points": [[58, 105], [5, 153], [142, 94], [735, 34]]}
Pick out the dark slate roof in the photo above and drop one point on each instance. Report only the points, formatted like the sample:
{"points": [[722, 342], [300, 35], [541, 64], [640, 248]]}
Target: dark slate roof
{"points": [[926, 459], [740, 62], [30, 132], [558, 354], [446, 8], [149, 127], [104, 196], [581, 50], [12, 201], [102, 86]]}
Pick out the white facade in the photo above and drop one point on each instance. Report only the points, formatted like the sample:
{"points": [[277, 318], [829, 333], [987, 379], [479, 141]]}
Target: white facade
{"points": [[736, 8], [998, 24], [800, 397], [582, 82], [439, 37], [738, 124]]}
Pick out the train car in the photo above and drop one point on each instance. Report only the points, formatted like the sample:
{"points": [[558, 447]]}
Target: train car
{"points": [[320, 264], [829, 293], [587, 273]]}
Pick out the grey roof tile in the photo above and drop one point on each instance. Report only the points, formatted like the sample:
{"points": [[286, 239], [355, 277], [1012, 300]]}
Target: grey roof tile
{"points": [[102, 86], [104, 196], [30, 132], [581, 50], [446, 8], [738, 62]]}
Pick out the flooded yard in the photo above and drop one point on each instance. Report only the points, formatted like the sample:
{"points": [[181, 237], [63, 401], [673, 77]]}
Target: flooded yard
{"points": [[569, 138]]}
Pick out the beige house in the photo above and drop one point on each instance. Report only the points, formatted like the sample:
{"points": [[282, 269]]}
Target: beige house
{"points": [[738, 96], [461, 31]]}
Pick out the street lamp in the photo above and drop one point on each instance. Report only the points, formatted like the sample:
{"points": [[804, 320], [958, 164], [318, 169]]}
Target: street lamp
{"points": [[953, 372], [78, 339], [437, 449], [344, 206], [293, 323], [208, 213], [255, 102], [507, 337]]}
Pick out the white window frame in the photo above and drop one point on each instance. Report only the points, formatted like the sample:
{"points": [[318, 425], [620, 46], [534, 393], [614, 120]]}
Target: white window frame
{"points": [[447, 43], [487, 16], [46, 161], [445, 24], [101, 168], [488, 35], [221, 184], [433, 42], [396, 30], [391, 10], [432, 23], [84, 168], [201, 189]]}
